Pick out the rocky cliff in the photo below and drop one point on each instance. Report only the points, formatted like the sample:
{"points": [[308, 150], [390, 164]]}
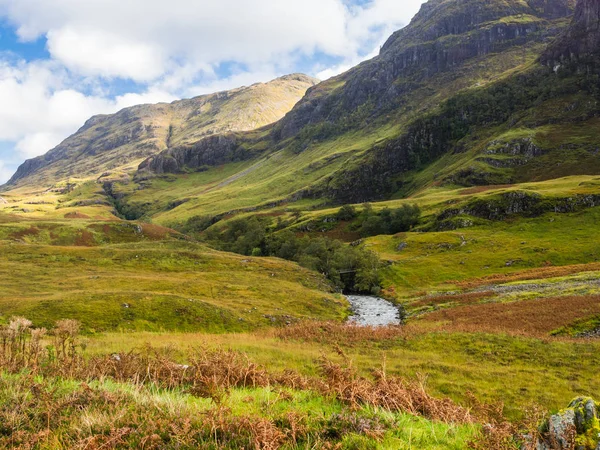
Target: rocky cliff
{"points": [[212, 151], [582, 40], [443, 37]]}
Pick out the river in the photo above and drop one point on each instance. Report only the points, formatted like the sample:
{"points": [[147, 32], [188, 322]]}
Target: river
{"points": [[373, 311]]}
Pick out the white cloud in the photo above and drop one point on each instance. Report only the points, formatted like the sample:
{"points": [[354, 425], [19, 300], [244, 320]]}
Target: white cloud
{"points": [[368, 27], [38, 110], [95, 52], [146, 39], [143, 39], [5, 173]]}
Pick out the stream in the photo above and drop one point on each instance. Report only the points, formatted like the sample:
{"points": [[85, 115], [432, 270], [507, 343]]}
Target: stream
{"points": [[373, 311]]}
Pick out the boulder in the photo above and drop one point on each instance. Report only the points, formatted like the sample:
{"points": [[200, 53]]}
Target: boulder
{"points": [[576, 427]]}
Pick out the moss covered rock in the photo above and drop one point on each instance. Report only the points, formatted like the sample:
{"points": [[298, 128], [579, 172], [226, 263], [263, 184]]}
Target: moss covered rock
{"points": [[576, 427]]}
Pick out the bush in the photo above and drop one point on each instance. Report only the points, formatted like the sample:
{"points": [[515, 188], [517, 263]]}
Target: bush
{"points": [[198, 224], [388, 221], [346, 213]]}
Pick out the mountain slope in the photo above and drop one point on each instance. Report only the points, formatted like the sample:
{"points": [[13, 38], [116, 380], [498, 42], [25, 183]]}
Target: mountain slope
{"points": [[582, 39], [374, 131], [120, 141], [461, 96]]}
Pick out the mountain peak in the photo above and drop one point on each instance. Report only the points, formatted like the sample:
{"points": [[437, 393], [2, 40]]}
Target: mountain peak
{"points": [[439, 18], [112, 142]]}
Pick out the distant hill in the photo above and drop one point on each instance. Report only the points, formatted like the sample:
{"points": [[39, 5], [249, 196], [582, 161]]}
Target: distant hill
{"points": [[120, 141]]}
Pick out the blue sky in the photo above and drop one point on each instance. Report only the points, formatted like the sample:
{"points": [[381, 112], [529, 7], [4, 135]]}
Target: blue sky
{"points": [[62, 61]]}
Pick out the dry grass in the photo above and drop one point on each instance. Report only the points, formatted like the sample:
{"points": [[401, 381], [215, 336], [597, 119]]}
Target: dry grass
{"points": [[208, 373], [390, 393], [500, 434], [338, 333], [530, 274], [530, 318], [460, 299], [76, 215], [107, 423]]}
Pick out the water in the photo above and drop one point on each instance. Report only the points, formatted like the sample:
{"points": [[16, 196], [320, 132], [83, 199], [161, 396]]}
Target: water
{"points": [[373, 311]]}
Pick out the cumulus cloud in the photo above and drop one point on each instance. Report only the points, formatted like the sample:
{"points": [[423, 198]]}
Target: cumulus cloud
{"points": [[146, 39], [96, 52], [5, 172], [38, 109], [170, 50]]}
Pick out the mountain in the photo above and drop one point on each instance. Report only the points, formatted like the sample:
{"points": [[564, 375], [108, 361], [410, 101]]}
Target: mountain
{"points": [[465, 95], [120, 141], [458, 97], [582, 40]]}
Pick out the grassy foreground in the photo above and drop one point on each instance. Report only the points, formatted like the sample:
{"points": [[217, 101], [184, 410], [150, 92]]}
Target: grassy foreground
{"points": [[312, 385]]}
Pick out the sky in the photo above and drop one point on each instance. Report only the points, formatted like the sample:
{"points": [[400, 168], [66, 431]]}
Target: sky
{"points": [[63, 61]]}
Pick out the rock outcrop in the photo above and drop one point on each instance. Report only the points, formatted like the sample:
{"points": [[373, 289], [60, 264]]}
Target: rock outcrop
{"points": [[576, 427], [582, 39], [442, 36], [211, 151]]}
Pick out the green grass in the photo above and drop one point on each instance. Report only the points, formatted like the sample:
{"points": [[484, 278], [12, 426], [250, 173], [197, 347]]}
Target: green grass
{"points": [[580, 327], [495, 368], [167, 285], [433, 261]]}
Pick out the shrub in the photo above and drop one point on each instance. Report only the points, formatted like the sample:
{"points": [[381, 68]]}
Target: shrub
{"points": [[346, 213]]}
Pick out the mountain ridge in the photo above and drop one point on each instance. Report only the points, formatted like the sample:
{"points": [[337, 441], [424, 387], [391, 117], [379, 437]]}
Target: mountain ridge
{"points": [[458, 110], [379, 101], [121, 140]]}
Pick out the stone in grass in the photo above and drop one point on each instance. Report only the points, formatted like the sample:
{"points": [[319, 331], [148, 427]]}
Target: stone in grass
{"points": [[576, 427]]}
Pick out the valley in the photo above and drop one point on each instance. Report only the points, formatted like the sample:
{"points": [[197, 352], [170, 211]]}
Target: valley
{"points": [[402, 256]]}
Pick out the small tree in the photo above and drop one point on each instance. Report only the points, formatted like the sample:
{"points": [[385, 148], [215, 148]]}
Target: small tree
{"points": [[346, 213]]}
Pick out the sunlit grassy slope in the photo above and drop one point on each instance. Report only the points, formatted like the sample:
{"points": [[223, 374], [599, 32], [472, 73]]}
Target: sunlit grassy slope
{"points": [[76, 268]]}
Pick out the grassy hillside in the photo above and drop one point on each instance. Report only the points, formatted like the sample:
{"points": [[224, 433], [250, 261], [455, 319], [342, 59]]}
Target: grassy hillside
{"points": [[116, 275]]}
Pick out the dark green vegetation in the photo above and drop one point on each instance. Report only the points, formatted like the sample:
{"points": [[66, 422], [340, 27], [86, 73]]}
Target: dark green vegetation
{"points": [[330, 257], [351, 268]]}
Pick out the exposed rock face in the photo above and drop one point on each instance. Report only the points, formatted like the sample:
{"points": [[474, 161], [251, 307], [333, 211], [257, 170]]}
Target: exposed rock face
{"points": [[441, 41], [583, 37], [118, 141], [211, 151], [513, 203], [442, 36]]}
